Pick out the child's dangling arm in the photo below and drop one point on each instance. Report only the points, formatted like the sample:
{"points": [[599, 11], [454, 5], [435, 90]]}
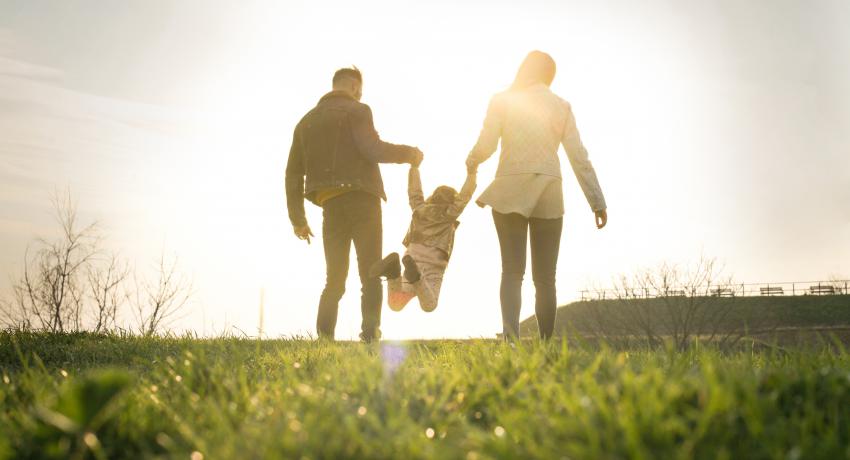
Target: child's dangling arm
{"points": [[465, 193], [414, 188], [488, 140]]}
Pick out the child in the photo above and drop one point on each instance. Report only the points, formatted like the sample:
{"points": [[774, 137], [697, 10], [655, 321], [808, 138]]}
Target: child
{"points": [[429, 243]]}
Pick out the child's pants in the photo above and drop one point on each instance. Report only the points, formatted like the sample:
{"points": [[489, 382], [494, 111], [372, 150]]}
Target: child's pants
{"points": [[431, 263]]}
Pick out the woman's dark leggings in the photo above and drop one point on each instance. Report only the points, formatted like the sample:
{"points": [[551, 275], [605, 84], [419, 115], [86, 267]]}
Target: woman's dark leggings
{"points": [[513, 230]]}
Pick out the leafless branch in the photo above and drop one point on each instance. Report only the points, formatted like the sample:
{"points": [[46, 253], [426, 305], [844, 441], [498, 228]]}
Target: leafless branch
{"points": [[106, 288], [159, 302], [50, 291], [673, 303]]}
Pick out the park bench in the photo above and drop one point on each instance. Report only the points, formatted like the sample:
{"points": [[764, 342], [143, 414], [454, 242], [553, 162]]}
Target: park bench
{"points": [[722, 292], [821, 289], [676, 293], [772, 290]]}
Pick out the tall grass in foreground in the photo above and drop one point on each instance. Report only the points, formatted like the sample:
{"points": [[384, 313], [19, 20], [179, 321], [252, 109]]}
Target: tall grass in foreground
{"points": [[89, 396]]}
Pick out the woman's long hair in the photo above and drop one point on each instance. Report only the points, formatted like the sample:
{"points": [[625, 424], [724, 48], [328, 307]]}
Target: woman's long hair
{"points": [[537, 67]]}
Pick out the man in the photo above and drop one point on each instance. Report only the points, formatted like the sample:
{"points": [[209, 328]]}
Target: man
{"points": [[335, 146]]}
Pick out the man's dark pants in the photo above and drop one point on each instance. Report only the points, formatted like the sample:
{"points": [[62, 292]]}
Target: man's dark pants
{"points": [[351, 217]]}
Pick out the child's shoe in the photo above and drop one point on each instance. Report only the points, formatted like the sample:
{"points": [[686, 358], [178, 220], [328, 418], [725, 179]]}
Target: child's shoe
{"points": [[388, 267], [397, 300], [411, 271]]}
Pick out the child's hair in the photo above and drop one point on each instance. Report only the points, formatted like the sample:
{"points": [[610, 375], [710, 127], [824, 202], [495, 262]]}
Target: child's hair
{"points": [[442, 195]]}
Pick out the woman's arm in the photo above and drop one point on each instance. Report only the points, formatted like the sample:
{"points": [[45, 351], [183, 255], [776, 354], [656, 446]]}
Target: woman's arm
{"points": [[488, 140], [580, 163]]}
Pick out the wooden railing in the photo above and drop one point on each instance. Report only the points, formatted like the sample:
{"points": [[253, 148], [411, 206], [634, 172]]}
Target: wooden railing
{"points": [[792, 288]]}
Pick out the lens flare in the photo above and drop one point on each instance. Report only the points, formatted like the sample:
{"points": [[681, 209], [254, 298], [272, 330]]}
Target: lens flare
{"points": [[393, 355]]}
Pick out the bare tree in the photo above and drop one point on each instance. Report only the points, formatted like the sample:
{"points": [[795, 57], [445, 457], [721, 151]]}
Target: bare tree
{"points": [[697, 301], [106, 283], [50, 294], [840, 283], [70, 284], [159, 302], [673, 303], [617, 316]]}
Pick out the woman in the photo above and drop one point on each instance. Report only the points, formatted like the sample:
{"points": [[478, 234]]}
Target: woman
{"points": [[526, 195]]}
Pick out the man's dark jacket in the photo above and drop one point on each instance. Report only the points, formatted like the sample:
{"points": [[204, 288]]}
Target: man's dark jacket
{"points": [[336, 146]]}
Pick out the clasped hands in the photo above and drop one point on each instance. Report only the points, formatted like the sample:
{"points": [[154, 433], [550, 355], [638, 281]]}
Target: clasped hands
{"points": [[304, 232]]}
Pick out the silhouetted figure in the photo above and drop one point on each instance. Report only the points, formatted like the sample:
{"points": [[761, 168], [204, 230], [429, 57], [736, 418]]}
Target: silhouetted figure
{"points": [[429, 242], [527, 194], [336, 148]]}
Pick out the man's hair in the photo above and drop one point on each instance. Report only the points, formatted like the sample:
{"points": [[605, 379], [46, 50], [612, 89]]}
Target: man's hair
{"points": [[352, 72]]}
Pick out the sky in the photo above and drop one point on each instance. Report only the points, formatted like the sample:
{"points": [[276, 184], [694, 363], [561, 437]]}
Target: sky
{"points": [[717, 128]]}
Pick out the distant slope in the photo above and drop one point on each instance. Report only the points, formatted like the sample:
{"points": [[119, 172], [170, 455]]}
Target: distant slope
{"points": [[780, 312]]}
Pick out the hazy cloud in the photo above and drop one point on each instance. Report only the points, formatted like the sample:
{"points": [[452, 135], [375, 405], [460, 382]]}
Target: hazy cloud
{"points": [[52, 137]]}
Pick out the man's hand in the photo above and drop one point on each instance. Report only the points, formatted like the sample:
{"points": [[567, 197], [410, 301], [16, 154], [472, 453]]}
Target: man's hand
{"points": [[418, 156], [601, 218], [304, 233]]}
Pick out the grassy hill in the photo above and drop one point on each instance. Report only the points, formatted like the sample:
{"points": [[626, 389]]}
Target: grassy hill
{"points": [[783, 317], [107, 396]]}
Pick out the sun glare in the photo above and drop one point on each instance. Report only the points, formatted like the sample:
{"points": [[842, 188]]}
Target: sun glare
{"points": [[220, 198], [431, 92]]}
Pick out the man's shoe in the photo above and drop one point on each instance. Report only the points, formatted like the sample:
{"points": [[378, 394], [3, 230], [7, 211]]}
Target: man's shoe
{"points": [[411, 271], [388, 267], [371, 338]]}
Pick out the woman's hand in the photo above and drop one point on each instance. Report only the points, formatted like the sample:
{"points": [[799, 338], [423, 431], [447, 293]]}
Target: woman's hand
{"points": [[601, 218]]}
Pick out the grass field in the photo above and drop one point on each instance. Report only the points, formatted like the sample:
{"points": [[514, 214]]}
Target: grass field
{"points": [[86, 396]]}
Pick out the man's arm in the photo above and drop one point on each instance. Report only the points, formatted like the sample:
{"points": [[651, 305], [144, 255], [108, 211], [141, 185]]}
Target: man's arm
{"points": [[372, 147], [581, 165], [414, 188], [295, 182], [488, 140], [464, 195]]}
